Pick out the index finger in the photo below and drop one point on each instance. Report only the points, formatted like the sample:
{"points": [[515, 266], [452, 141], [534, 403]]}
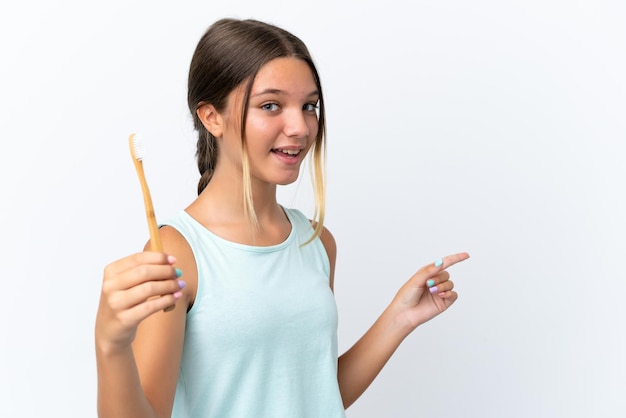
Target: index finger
{"points": [[450, 260]]}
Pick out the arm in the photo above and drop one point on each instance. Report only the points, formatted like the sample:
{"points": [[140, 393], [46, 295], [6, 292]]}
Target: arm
{"points": [[413, 305], [138, 346], [359, 366]]}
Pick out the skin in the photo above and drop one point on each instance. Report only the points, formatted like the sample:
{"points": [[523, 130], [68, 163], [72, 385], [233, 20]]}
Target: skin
{"points": [[139, 347]]}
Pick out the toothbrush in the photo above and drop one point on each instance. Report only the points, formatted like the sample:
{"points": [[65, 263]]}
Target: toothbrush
{"points": [[136, 151]]}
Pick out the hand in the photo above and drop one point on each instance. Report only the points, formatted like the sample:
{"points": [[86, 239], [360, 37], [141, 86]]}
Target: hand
{"points": [[134, 288], [429, 292]]}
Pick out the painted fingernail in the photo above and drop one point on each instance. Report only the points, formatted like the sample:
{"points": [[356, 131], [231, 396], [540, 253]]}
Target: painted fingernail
{"points": [[177, 295], [179, 272], [430, 282], [171, 259], [438, 263], [434, 289], [181, 284]]}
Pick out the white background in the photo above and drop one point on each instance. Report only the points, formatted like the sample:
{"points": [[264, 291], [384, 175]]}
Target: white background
{"points": [[490, 127]]}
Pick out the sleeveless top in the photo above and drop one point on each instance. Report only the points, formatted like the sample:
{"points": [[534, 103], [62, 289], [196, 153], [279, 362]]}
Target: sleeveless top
{"points": [[261, 336]]}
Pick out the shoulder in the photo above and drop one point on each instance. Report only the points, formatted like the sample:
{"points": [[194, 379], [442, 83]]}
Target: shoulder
{"points": [[328, 240], [330, 245], [175, 235], [174, 240]]}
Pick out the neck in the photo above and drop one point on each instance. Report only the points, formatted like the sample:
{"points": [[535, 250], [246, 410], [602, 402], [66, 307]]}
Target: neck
{"points": [[223, 201], [220, 209]]}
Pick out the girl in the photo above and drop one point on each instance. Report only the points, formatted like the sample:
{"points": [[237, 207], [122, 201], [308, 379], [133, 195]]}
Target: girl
{"points": [[254, 329]]}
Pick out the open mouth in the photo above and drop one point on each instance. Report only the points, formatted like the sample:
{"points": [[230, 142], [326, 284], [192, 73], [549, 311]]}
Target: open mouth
{"points": [[289, 153]]}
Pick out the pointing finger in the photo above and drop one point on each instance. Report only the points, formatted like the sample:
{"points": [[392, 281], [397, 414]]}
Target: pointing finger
{"points": [[450, 260], [441, 264]]}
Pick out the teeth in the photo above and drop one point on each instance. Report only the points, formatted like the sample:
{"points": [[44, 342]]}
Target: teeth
{"points": [[289, 151]]}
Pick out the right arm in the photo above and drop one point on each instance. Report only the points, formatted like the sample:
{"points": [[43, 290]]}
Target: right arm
{"points": [[138, 346]]}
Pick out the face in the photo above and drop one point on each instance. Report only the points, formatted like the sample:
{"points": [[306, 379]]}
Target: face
{"points": [[281, 124]]}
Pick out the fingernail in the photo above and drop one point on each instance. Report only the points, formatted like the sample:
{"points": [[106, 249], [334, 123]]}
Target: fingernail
{"points": [[438, 263], [430, 282], [171, 259], [434, 289], [181, 284], [179, 272], [177, 295]]}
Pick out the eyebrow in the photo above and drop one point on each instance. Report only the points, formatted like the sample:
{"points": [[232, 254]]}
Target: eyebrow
{"points": [[281, 92]]}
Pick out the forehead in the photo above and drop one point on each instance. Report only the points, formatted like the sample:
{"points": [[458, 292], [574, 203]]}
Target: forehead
{"points": [[285, 74]]}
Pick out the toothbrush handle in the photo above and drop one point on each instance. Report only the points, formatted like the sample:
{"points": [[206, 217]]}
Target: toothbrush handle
{"points": [[155, 236]]}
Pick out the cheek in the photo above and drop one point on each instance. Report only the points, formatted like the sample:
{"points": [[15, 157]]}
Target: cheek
{"points": [[313, 128], [258, 127]]}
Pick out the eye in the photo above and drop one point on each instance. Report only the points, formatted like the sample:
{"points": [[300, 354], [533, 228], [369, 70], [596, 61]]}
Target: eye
{"points": [[271, 107], [310, 107]]}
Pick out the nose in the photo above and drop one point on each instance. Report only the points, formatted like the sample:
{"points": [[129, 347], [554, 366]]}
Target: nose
{"points": [[296, 125]]}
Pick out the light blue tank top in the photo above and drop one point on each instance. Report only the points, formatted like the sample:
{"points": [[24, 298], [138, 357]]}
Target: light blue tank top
{"points": [[261, 337]]}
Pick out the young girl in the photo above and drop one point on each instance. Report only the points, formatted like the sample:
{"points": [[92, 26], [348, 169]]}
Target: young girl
{"points": [[254, 329]]}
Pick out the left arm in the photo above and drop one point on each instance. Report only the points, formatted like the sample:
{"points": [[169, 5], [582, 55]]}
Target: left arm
{"points": [[425, 295]]}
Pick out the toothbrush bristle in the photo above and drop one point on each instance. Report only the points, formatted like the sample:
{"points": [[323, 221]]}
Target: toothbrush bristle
{"points": [[137, 148]]}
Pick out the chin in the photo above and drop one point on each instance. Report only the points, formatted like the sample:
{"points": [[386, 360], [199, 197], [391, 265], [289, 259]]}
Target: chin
{"points": [[286, 182], [283, 177]]}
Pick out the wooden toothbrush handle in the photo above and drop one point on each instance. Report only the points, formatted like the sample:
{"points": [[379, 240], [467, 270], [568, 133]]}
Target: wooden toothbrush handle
{"points": [[155, 236]]}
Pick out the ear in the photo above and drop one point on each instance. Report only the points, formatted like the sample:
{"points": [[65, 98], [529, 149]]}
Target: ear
{"points": [[211, 119]]}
